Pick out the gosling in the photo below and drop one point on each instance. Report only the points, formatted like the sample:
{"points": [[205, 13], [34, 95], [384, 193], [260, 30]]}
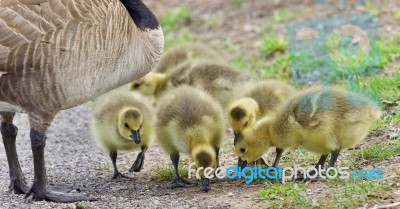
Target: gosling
{"points": [[182, 53], [157, 81], [190, 121], [122, 121], [322, 120], [220, 80], [260, 99]]}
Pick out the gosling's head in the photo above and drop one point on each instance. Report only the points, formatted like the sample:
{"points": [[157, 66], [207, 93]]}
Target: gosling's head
{"points": [[148, 84], [130, 122], [205, 157], [242, 113], [251, 147]]}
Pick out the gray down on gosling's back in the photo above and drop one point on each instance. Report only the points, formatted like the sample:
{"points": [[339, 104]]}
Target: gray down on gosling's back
{"points": [[57, 54]]}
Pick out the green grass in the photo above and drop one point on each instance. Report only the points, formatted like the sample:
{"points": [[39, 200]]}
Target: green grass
{"points": [[166, 172], [371, 8], [273, 60], [289, 195], [299, 156], [388, 86], [282, 16], [396, 15], [294, 194], [377, 152], [238, 3], [271, 44], [354, 192], [174, 25], [388, 120], [389, 49]]}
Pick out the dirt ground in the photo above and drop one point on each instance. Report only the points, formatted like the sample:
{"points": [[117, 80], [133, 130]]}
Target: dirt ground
{"points": [[74, 160]]}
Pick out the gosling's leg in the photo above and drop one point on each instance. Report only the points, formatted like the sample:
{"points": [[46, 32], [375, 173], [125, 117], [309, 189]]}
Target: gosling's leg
{"points": [[138, 164], [9, 133], [277, 157], [241, 163], [217, 158], [38, 189], [178, 181], [205, 182], [319, 165], [117, 175], [334, 157]]}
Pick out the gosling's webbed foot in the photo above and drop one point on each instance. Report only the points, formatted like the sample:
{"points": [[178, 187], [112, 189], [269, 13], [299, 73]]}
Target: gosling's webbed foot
{"points": [[57, 194], [205, 184], [179, 182], [138, 164], [120, 177]]}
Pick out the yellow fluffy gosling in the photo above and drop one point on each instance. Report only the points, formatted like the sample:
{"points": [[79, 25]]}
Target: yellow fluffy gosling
{"points": [[258, 100], [122, 121], [190, 121], [322, 120], [157, 81], [219, 79]]}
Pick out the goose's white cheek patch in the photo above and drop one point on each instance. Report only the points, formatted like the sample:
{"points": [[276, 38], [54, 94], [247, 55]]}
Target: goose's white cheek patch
{"points": [[2, 73]]}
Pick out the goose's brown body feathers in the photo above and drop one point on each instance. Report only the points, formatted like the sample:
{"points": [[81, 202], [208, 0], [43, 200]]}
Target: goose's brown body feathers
{"points": [[57, 54]]}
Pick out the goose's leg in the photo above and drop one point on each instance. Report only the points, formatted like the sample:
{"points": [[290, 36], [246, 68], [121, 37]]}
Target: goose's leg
{"points": [[117, 175], [138, 164], [39, 187], [178, 181], [9, 133]]}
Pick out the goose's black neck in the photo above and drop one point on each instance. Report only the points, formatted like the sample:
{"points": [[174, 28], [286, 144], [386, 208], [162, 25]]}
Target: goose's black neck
{"points": [[141, 14]]}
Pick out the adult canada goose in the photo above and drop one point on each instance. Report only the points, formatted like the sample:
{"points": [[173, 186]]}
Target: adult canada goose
{"points": [[220, 80], [322, 120], [157, 82], [123, 121], [57, 54], [190, 121]]}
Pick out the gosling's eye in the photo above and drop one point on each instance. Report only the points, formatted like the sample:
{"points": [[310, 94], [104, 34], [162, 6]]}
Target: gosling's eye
{"points": [[126, 125], [136, 85], [246, 124], [242, 149]]}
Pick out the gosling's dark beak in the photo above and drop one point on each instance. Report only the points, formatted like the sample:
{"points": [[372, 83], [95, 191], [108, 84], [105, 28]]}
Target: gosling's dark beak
{"points": [[136, 136], [242, 163], [205, 184], [235, 137]]}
